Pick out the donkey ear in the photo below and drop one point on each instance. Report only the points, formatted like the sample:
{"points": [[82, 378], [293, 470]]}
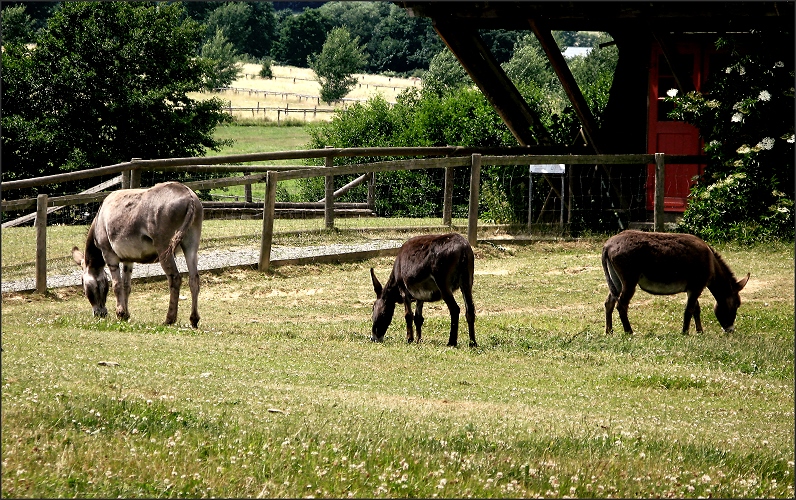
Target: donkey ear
{"points": [[77, 256], [742, 282], [376, 285]]}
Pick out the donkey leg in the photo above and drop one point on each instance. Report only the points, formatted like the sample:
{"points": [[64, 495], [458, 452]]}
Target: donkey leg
{"points": [[454, 309], [692, 309], [175, 281], [469, 312], [119, 292], [409, 317], [419, 320], [623, 303], [191, 260], [610, 303]]}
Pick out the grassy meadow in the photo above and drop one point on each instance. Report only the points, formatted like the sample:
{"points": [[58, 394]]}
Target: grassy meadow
{"points": [[280, 393]]}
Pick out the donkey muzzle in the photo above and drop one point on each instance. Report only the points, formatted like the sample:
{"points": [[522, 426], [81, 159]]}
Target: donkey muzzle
{"points": [[730, 329]]}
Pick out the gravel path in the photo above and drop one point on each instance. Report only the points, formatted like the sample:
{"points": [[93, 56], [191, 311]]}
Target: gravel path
{"points": [[243, 257]]}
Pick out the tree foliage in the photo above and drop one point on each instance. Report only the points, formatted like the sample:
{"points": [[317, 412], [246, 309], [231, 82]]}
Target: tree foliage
{"points": [[106, 82], [221, 53], [18, 26], [745, 116], [299, 36], [445, 74], [334, 67]]}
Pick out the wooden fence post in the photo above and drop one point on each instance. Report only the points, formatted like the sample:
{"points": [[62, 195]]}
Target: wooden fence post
{"points": [[372, 191], [268, 220], [328, 212], [660, 175], [126, 179], [247, 191], [135, 176], [447, 198], [41, 243], [475, 187]]}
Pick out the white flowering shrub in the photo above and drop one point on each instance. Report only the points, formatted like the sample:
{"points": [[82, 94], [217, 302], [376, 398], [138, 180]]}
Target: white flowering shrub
{"points": [[746, 116]]}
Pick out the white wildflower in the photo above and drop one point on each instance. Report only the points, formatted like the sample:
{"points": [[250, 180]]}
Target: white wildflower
{"points": [[764, 96], [779, 64], [766, 143], [728, 69], [741, 70], [737, 117], [790, 139], [743, 150], [671, 92]]}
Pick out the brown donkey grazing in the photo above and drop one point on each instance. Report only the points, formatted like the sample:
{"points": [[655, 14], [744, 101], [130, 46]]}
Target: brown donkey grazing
{"points": [[427, 269], [665, 264], [146, 226]]}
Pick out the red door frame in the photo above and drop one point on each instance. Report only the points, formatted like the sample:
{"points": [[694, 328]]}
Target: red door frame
{"points": [[670, 136]]}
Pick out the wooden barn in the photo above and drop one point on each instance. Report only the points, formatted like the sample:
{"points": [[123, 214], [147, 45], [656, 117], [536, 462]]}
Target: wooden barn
{"points": [[661, 45]]}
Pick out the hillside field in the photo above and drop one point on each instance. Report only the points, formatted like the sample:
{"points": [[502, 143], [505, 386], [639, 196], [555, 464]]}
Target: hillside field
{"points": [[296, 90]]}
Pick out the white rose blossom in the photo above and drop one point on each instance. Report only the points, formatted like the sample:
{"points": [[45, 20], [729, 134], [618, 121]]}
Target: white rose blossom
{"points": [[764, 96], [737, 117], [779, 64], [671, 92], [790, 139]]}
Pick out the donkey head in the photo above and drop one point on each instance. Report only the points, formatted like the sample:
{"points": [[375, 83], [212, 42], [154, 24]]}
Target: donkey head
{"points": [[727, 307], [95, 283], [383, 310]]}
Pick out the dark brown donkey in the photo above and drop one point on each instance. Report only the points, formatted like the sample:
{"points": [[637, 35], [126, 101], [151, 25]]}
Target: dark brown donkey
{"points": [[142, 225], [665, 264], [427, 269]]}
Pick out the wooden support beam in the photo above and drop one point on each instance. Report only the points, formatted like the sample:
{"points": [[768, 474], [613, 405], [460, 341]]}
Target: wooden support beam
{"points": [[471, 51], [571, 88]]}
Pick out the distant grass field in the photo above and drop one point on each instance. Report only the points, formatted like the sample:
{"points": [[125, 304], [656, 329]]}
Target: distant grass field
{"points": [[280, 393]]}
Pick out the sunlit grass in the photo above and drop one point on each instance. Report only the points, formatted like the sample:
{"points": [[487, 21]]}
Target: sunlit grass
{"points": [[279, 392]]}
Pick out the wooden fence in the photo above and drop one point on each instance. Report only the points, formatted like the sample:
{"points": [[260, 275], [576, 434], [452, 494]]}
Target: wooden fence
{"points": [[451, 157]]}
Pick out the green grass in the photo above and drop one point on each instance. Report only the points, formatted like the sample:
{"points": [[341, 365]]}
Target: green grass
{"points": [[280, 393], [258, 137]]}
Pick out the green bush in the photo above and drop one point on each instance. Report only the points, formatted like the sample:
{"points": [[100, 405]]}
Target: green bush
{"points": [[746, 118]]}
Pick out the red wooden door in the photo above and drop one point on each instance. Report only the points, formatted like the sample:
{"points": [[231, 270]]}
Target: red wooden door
{"points": [[670, 136]]}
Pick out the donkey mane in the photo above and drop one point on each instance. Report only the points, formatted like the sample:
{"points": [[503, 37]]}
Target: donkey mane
{"points": [[724, 268], [93, 255]]}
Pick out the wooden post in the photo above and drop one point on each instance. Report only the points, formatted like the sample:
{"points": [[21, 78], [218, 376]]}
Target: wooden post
{"points": [[268, 220], [247, 191], [475, 187], [328, 213], [41, 243], [447, 198], [372, 191], [135, 176], [660, 174], [126, 179]]}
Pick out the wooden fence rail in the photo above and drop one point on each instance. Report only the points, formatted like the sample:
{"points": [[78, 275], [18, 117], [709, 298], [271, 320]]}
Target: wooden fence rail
{"points": [[453, 157]]}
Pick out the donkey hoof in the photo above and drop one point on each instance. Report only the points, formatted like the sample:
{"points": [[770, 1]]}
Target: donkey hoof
{"points": [[473, 344]]}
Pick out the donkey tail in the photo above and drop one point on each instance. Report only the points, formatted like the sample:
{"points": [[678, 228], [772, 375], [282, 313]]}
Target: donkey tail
{"points": [[610, 274], [190, 214]]}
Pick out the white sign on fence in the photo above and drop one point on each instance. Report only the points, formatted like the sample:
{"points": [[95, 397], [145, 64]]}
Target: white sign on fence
{"points": [[553, 168]]}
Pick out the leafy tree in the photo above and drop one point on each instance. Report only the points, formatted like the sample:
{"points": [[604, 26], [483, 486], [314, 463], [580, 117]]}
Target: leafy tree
{"points": [[250, 27], [232, 19], [266, 71], [18, 26], [107, 82], [334, 66], [299, 36], [402, 44], [445, 74], [222, 54], [745, 115]]}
